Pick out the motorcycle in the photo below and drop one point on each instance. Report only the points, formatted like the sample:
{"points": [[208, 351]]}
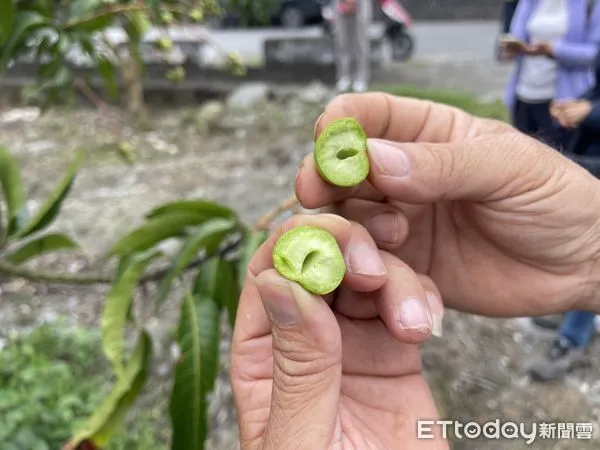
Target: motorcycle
{"points": [[396, 25]]}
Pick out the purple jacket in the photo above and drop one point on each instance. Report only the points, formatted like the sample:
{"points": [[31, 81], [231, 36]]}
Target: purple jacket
{"points": [[575, 53]]}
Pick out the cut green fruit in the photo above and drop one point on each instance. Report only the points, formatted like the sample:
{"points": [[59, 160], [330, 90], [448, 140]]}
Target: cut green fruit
{"points": [[341, 153], [311, 257]]}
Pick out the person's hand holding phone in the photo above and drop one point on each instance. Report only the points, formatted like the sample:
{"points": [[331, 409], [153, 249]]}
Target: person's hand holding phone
{"points": [[511, 47]]}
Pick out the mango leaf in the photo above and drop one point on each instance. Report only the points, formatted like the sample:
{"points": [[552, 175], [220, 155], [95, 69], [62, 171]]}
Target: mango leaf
{"points": [[46, 214], [25, 22], [216, 279], [91, 23], [136, 25], [109, 417], [195, 373], [207, 236], [12, 191], [81, 8], [250, 243], [117, 306], [39, 246], [155, 230], [210, 209], [7, 16]]}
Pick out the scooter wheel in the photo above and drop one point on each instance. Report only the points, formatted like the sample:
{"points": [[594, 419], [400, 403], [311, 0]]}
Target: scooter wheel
{"points": [[403, 47]]}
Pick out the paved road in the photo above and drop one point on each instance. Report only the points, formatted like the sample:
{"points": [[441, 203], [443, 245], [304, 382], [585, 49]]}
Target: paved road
{"points": [[434, 40]]}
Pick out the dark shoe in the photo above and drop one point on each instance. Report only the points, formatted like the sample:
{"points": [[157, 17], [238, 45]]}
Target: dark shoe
{"points": [[561, 358], [548, 322]]}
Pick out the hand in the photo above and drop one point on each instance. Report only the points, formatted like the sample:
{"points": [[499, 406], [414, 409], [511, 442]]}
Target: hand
{"points": [[501, 223], [334, 373], [575, 112], [510, 49], [540, 49]]}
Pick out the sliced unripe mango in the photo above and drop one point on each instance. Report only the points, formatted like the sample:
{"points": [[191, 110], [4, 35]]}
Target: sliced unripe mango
{"points": [[311, 257], [341, 153]]}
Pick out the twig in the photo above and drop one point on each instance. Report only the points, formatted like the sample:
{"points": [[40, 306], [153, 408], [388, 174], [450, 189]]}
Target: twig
{"points": [[264, 223], [88, 279]]}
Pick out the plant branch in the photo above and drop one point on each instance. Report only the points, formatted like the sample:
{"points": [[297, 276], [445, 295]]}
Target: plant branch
{"points": [[264, 223], [14, 271]]}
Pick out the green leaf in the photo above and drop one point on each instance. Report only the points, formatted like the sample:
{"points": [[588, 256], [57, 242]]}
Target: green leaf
{"points": [[251, 242], [107, 72], [92, 23], [40, 245], [136, 25], [207, 236], [216, 279], [7, 16], [25, 22], [81, 8], [12, 191], [117, 306], [195, 372], [210, 209], [109, 417], [46, 214], [155, 230]]}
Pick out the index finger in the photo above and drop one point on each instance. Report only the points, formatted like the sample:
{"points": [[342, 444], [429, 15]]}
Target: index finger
{"points": [[382, 116], [400, 119]]}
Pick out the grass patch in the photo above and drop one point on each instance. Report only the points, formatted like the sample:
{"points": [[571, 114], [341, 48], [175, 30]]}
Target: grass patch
{"points": [[465, 101], [51, 379]]}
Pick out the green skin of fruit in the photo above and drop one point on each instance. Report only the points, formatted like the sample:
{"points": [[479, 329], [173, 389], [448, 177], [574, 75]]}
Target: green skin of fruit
{"points": [[311, 257], [341, 153]]}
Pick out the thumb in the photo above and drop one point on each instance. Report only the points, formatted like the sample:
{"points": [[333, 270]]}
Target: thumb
{"points": [[486, 168], [307, 365]]}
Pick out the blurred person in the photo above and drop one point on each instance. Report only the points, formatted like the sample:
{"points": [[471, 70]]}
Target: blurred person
{"points": [[554, 44], [352, 44], [457, 212], [577, 329]]}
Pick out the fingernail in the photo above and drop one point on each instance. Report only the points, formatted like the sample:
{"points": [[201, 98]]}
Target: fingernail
{"points": [[384, 227], [436, 313], [390, 161], [415, 315], [365, 260], [317, 125], [278, 300]]}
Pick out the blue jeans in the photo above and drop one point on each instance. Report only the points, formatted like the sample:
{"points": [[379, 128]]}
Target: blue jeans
{"points": [[578, 327]]}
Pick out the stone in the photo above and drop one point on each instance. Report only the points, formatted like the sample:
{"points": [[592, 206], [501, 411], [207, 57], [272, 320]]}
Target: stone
{"points": [[315, 93], [210, 113], [248, 96]]}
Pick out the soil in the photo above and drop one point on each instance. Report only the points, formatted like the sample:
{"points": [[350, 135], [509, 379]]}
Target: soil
{"points": [[478, 369]]}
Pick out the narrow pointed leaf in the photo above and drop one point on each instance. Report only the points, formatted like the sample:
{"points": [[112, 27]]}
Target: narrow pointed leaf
{"points": [[217, 279], [210, 209], [46, 214], [109, 417], [155, 230], [208, 237], [12, 192], [251, 242], [117, 307], [7, 15], [195, 373], [41, 245], [22, 25], [81, 8]]}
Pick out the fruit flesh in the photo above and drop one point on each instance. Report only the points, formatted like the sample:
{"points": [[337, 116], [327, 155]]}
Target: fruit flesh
{"points": [[311, 257], [341, 153]]}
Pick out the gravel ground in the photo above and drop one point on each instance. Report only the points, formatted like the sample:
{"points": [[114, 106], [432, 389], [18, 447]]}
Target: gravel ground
{"points": [[477, 370]]}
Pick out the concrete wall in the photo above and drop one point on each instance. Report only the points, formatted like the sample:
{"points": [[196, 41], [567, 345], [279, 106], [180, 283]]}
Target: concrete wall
{"points": [[454, 9]]}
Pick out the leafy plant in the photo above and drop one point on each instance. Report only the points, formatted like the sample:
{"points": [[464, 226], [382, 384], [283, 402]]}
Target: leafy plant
{"points": [[214, 249], [50, 378], [51, 32]]}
